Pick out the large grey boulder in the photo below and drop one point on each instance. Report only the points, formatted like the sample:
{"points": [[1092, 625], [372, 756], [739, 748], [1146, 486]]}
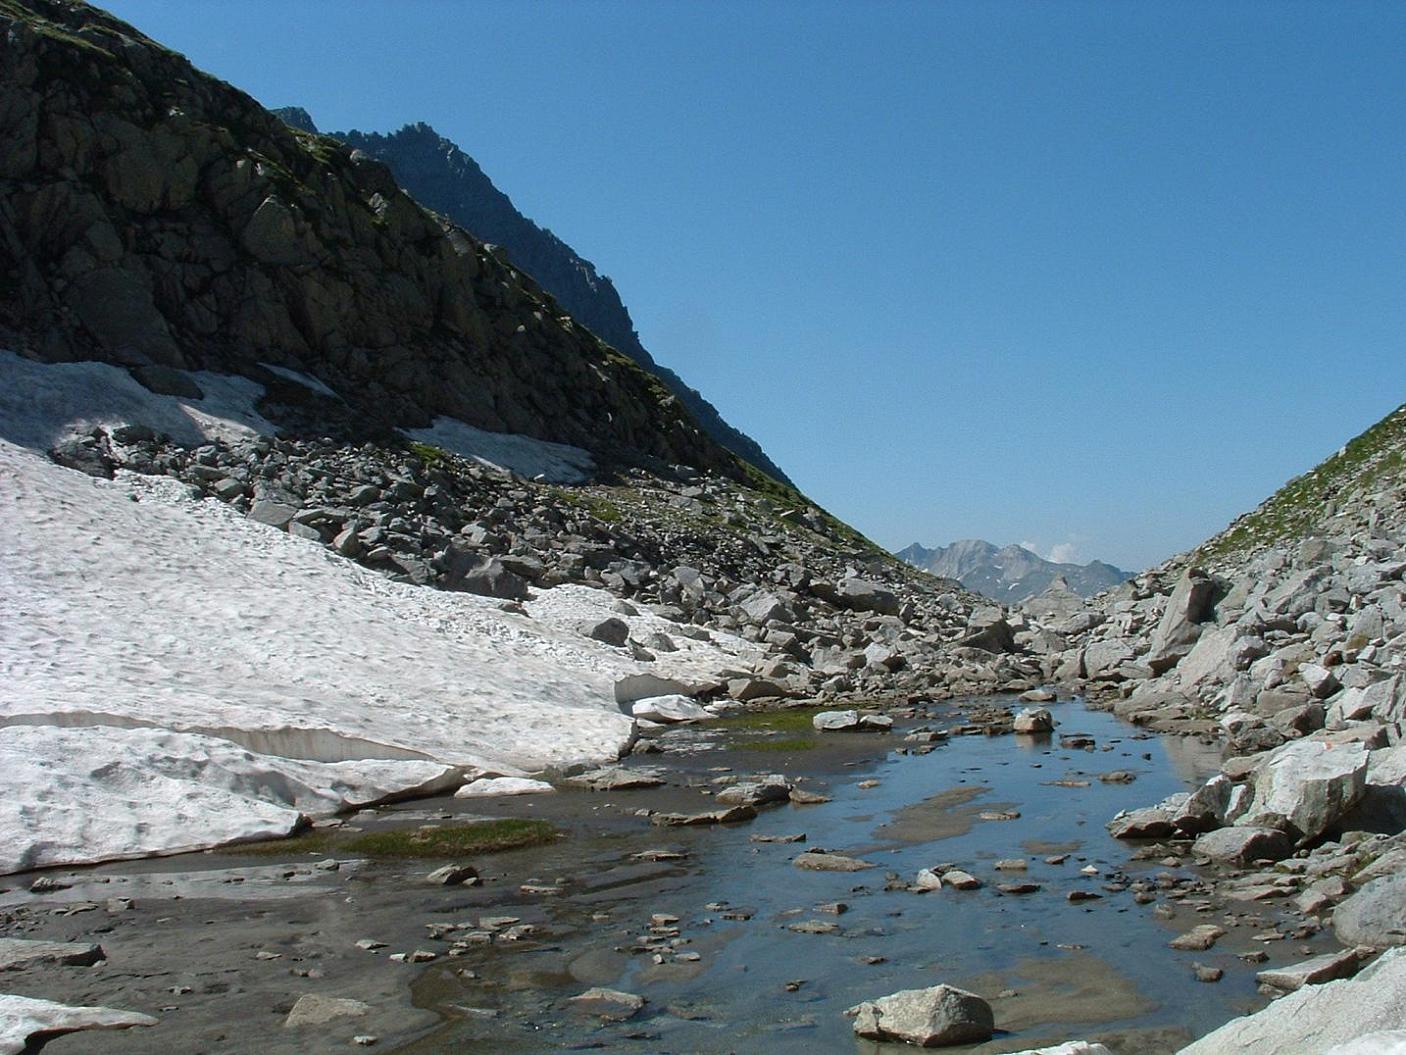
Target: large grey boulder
{"points": [[315, 1009], [988, 630], [485, 576], [17, 954], [1207, 807], [1375, 916], [835, 721], [1150, 822], [1319, 969], [767, 608], [1243, 844], [609, 631], [1181, 623], [1102, 658], [1317, 1017], [1382, 700], [272, 512], [1383, 805], [669, 709], [1310, 784], [1033, 720], [929, 1018], [1211, 661], [865, 596], [611, 1005], [771, 788]]}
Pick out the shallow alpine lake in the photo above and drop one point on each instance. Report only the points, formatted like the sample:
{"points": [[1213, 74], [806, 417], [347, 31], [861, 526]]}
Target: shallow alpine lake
{"points": [[761, 956], [733, 948]]}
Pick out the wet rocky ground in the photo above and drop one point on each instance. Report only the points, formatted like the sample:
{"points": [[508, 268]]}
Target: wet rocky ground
{"points": [[728, 945]]}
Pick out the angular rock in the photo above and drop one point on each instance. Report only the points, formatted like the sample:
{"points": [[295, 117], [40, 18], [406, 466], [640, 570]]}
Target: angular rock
{"points": [[1198, 938], [1151, 822], [773, 788], [610, 631], [1241, 844], [1309, 784], [1206, 808], [669, 709], [824, 861], [730, 815], [940, 1015], [1180, 626], [1321, 681], [273, 513], [1317, 1017], [1326, 968], [835, 721], [1034, 720], [452, 875], [617, 778], [746, 689], [960, 880], [488, 577], [865, 596], [611, 1005], [313, 1009], [988, 630], [1375, 916], [767, 608], [17, 954]]}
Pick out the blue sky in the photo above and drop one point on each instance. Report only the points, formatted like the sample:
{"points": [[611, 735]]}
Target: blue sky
{"points": [[1090, 275]]}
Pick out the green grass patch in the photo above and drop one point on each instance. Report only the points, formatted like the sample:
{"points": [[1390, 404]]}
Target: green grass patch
{"points": [[312, 842], [433, 457], [790, 720], [1373, 460], [451, 840]]}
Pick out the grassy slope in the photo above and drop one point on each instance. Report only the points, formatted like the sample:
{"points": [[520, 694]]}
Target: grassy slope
{"points": [[1372, 462]]}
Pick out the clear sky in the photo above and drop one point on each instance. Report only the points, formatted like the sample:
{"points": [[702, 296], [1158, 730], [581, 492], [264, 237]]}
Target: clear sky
{"points": [[1096, 276]]}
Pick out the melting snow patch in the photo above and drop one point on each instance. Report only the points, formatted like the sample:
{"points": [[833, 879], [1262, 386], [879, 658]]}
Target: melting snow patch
{"points": [[558, 463], [137, 624], [96, 794], [42, 404]]}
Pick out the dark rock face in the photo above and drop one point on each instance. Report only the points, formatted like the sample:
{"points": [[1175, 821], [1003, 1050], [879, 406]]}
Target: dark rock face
{"points": [[156, 218], [444, 178]]}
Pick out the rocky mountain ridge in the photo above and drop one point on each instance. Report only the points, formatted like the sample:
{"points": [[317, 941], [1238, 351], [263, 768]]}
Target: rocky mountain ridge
{"points": [[156, 218], [441, 176], [1009, 574]]}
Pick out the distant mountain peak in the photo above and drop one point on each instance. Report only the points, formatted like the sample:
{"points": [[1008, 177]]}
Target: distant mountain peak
{"points": [[1012, 573]]}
